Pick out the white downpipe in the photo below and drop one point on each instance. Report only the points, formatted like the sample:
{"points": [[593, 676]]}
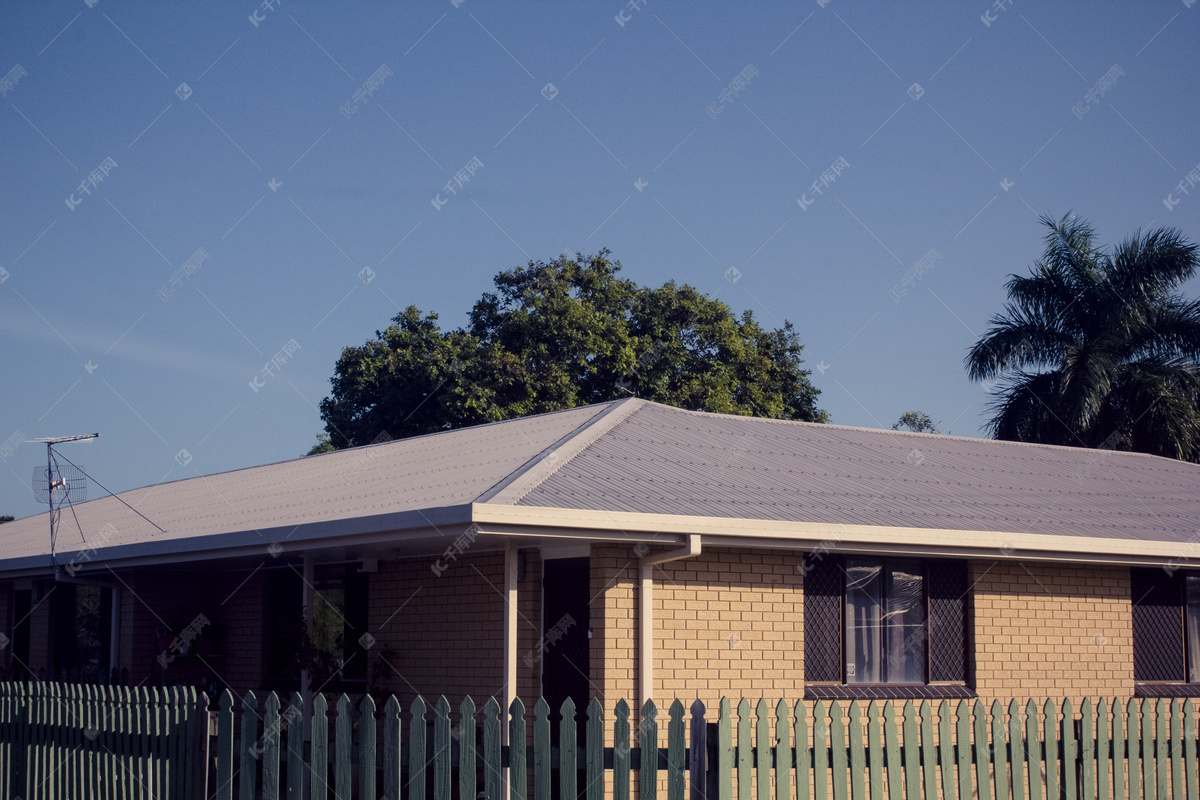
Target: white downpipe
{"points": [[646, 612]]}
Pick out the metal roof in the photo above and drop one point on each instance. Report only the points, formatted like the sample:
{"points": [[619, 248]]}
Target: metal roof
{"points": [[416, 475], [665, 460], [645, 458]]}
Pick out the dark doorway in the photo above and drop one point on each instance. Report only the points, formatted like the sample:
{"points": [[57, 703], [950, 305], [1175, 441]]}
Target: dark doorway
{"points": [[22, 610], [336, 656], [82, 631], [566, 590]]}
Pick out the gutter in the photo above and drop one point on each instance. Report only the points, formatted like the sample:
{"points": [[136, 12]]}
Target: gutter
{"points": [[62, 575], [646, 611], [845, 537]]}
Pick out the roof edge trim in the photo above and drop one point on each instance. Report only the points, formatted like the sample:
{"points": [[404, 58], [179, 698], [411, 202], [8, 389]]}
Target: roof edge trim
{"points": [[323, 533], [828, 536]]}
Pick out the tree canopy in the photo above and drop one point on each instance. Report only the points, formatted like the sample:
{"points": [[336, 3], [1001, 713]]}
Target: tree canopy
{"points": [[560, 334], [1098, 348], [916, 421]]}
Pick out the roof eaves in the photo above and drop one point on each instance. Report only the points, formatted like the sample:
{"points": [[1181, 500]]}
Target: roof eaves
{"points": [[266, 541], [822, 536]]}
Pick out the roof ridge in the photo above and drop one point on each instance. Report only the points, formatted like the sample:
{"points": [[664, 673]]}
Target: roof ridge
{"points": [[309, 458], [835, 426], [536, 470]]}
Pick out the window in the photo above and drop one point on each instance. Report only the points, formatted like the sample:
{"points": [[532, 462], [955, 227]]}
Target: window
{"points": [[335, 655], [884, 622], [1191, 604], [339, 621], [1166, 631]]}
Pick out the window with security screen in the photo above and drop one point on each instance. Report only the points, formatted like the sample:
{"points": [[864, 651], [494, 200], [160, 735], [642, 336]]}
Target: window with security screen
{"points": [[877, 622], [1166, 626]]}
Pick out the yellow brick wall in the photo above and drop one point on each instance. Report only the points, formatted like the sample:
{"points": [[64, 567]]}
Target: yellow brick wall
{"points": [[1052, 630], [729, 623], [726, 623], [613, 653]]}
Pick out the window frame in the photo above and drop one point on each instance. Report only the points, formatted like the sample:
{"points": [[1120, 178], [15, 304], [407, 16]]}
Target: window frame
{"points": [[1159, 685], [286, 640], [819, 607], [884, 654], [1188, 664]]}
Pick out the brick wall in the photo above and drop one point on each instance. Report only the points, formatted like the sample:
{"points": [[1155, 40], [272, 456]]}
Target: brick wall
{"points": [[729, 623], [613, 655], [726, 623], [240, 599], [529, 627], [445, 634], [154, 598], [441, 635], [1050, 630], [6, 624]]}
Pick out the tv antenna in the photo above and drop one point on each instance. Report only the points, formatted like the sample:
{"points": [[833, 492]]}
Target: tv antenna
{"points": [[56, 486]]}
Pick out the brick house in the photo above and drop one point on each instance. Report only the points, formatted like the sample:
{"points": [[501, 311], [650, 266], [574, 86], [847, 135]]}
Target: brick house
{"points": [[629, 550]]}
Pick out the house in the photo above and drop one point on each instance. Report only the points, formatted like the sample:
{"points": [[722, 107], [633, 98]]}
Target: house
{"points": [[633, 550]]}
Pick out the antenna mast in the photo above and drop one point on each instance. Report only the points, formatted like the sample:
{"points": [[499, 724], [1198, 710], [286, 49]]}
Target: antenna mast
{"points": [[54, 481]]}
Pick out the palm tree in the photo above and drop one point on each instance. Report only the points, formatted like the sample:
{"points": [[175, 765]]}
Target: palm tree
{"points": [[1098, 349]]}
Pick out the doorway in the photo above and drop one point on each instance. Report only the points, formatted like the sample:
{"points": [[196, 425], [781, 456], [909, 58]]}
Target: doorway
{"points": [[566, 670]]}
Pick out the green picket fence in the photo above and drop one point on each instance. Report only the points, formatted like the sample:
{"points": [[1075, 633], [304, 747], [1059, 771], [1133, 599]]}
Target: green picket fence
{"points": [[1145, 749], [83, 741], [71, 741]]}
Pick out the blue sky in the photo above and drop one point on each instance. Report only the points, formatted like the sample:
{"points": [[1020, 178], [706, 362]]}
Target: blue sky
{"points": [[957, 124]]}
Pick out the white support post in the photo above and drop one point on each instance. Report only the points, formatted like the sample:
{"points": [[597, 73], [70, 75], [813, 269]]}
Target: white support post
{"points": [[307, 599], [510, 644], [510, 628], [646, 634], [114, 631]]}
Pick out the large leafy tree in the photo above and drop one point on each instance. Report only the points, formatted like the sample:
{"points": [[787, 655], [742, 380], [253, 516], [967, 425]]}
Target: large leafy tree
{"points": [[1097, 347], [558, 335]]}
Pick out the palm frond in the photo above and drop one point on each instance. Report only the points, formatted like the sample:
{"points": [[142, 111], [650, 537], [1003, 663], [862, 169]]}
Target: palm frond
{"points": [[1146, 267], [1098, 350], [1016, 340], [1024, 410], [1070, 248], [1168, 328], [1047, 294]]}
